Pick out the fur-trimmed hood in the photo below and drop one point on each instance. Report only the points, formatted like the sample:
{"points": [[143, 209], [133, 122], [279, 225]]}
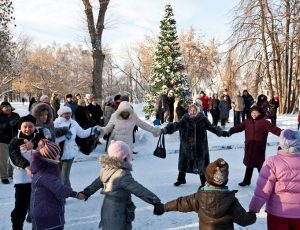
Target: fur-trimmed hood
{"points": [[111, 165], [124, 106], [38, 108]]}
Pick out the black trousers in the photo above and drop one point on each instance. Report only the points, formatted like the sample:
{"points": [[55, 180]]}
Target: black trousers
{"points": [[22, 202], [248, 174], [181, 178]]}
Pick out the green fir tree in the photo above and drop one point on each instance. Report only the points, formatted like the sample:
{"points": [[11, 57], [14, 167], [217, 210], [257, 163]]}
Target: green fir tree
{"points": [[167, 67]]}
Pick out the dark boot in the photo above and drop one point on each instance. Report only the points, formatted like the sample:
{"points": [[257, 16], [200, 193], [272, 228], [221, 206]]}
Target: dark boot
{"points": [[247, 178], [180, 179]]}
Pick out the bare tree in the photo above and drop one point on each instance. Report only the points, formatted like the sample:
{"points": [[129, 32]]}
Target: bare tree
{"points": [[95, 32]]}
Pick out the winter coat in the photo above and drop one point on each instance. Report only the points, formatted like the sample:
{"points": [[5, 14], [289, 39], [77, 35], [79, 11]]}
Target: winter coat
{"points": [[47, 194], [161, 106], [118, 185], [20, 159], [205, 101], [272, 109], [224, 108], [83, 117], [237, 103], [217, 210], [278, 185], [96, 113], [256, 135], [214, 107], [248, 100], [8, 127], [71, 149], [47, 128], [108, 111], [121, 129], [193, 149], [55, 105]]}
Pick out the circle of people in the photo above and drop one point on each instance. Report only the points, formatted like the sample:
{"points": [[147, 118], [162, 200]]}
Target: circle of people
{"points": [[42, 165]]}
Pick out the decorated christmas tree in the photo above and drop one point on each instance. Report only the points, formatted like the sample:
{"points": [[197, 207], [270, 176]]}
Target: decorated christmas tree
{"points": [[167, 70]]}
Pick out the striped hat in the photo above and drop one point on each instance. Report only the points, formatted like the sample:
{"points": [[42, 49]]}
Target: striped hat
{"points": [[49, 149]]}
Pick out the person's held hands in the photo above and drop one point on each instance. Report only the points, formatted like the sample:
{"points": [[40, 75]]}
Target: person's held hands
{"points": [[159, 209], [226, 134], [81, 196], [96, 130], [164, 131]]}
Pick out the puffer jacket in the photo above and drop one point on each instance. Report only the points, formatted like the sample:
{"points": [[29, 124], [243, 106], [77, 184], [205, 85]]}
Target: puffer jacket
{"points": [[48, 194], [278, 185], [217, 210], [118, 185], [71, 149], [121, 129]]}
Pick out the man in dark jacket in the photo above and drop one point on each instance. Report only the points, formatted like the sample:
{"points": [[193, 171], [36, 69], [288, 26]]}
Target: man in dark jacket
{"points": [[248, 102], [71, 104], [8, 129]]}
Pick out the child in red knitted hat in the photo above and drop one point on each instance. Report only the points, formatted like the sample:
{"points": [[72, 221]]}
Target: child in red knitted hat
{"points": [[48, 193]]}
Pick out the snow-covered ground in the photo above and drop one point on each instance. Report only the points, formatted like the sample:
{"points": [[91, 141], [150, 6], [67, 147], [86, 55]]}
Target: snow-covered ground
{"points": [[156, 174]]}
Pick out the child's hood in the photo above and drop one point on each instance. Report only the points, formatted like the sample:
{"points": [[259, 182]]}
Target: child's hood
{"points": [[40, 164], [110, 166], [215, 203]]}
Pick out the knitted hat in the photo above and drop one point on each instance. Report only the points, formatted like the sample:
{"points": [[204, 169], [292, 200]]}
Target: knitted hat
{"points": [[28, 118], [4, 104], [216, 173], [49, 149], [118, 149], [289, 140], [64, 109]]}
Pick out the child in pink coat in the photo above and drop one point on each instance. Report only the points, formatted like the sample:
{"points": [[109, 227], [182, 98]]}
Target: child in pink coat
{"points": [[278, 184]]}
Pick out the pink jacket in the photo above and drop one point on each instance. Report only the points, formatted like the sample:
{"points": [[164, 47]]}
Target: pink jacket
{"points": [[278, 185]]}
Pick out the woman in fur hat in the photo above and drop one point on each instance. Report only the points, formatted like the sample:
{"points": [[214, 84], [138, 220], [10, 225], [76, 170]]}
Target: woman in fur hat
{"points": [[216, 205], [278, 184], [117, 183]]}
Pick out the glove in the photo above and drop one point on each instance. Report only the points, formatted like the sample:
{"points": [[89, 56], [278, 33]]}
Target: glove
{"points": [[84, 194], [96, 130], [226, 134], [68, 135], [164, 131], [159, 209]]}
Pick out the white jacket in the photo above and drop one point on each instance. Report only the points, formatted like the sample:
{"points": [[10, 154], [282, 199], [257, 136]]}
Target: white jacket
{"points": [[121, 129], [71, 149], [20, 175]]}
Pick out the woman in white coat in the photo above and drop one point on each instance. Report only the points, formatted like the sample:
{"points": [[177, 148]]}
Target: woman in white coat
{"points": [[122, 122], [70, 149]]}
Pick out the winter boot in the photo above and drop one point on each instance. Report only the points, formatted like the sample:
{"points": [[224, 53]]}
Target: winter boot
{"points": [[180, 179]]}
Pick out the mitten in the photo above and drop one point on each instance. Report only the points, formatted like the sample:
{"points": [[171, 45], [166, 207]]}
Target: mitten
{"points": [[164, 131], [68, 135], [96, 130], [159, 209]]}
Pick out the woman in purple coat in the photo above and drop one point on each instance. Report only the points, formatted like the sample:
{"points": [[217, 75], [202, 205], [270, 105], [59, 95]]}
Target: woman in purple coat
{"points": [[48, 193], [256, 129]]}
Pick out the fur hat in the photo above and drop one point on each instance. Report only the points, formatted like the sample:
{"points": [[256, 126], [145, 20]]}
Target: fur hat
{"points": [[49, 149], [64, 109], [28, 118], [38, 108], [289, 141], [109, 99], [216, 173], [118, 149]]}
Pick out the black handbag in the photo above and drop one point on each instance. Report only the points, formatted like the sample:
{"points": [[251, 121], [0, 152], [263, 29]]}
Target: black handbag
{"points": [[88, 144], [160, 150]]}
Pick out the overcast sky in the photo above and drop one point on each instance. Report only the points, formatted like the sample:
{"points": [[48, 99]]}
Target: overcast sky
{"points": [[128, 21]]}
